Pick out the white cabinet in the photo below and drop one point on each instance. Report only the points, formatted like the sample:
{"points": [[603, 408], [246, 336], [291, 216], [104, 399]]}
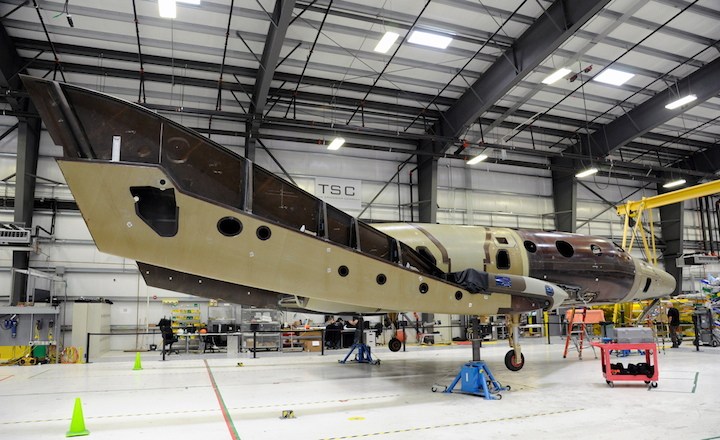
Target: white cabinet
{"points": [[91, 317]]}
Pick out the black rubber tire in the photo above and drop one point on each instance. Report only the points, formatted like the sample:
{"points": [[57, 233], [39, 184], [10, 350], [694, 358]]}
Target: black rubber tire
{"points": [[654, 384], [433, 389], [610, 384], [508, 387], [394, 344], [714, 343], [511, 363]]}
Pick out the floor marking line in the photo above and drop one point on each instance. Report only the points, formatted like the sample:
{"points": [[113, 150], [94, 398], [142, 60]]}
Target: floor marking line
{"points": [[6, 377], [35, 375], [697, 373], [453, 425], [226, 415]]}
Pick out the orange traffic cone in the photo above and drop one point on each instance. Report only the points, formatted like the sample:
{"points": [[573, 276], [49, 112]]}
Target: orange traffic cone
{"points": [[77, 425], [138, 364]]}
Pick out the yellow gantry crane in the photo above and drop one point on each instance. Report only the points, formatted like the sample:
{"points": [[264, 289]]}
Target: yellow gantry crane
{"points": [[636, 209], [633, 211]]}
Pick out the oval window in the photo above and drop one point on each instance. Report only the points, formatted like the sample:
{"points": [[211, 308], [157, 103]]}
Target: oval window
{"points": [[530, 246], [565, 248]]}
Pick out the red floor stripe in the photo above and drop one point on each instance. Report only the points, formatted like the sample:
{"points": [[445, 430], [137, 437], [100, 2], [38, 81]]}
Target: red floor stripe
{"points": [[228, 420]]}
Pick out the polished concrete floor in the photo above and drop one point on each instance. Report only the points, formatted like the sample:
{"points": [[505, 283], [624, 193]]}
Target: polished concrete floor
{"points": [[212, 397]]}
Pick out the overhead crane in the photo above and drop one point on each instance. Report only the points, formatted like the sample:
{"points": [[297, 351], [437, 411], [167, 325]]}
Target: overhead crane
{"points": [[633, 212]]}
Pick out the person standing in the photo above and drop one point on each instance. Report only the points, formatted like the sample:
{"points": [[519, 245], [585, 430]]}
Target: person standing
{"points": [[674, 323]]}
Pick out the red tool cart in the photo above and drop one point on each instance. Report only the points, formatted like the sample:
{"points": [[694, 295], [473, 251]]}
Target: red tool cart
{"points": [[647, 371]]}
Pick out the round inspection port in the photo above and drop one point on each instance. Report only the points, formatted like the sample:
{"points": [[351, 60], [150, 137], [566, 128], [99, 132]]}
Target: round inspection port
{"points": [[381, 279], [458, 295], [423, 288], [263, 233], [229, 226], [343, 271]]}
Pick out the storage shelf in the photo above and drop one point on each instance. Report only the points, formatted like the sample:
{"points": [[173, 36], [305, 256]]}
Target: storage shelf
{"points": [[10, 310]]}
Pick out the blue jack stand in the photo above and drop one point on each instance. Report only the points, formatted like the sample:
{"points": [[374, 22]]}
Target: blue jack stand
{"points": [[363, 356], [475, 378]]}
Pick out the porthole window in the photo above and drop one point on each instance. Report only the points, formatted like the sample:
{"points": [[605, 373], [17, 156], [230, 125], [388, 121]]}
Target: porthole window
{"points": [[263, 233], [565, 248], [381, 279], [458, 295], [595, 249], [424, 288], [530, 246], [229, 226], [343, 271]]}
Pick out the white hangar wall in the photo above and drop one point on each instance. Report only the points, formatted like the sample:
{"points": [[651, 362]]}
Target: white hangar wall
{"points": [[485, 194]]}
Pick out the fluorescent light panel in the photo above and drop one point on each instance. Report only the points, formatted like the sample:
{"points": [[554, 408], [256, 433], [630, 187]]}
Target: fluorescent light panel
{"points": [[680, 102], [167, 8], [429, 39], [558, 74], [587, 172], [386, 42], [613, 77], [675, 183], [336, 143], [477, 159]]}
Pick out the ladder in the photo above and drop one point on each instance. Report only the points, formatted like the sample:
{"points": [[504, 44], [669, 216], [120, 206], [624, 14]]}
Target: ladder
{"points": [[577, 334]]}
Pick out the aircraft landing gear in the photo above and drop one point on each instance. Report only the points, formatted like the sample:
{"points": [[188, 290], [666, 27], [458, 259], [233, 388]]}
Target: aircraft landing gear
{"points": [[394, 344], [514, 359], [511, 361]]}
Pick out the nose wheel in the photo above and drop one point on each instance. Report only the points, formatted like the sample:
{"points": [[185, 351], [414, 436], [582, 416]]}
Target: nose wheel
{"points": [[511, 361]]}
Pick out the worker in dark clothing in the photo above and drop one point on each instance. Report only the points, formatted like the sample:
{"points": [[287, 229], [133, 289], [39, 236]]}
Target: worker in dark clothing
{"points": [[333, 333], [357, 323], [674, 323]]}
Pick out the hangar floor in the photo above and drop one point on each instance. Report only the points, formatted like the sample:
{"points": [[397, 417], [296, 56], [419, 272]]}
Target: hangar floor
{"points": [[190, 397]]}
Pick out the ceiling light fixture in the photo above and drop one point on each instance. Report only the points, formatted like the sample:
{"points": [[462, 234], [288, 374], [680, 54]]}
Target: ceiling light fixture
{"points": [[680, 102], [675, 183], [613, 77], [167, 8], [477, 159], [386, 42], [189, 2], [429, 39], [558, 74], [586, 173], [336, 143]]}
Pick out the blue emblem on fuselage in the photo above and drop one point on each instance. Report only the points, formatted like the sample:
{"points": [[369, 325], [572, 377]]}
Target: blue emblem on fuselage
{"points": [[549, 290], [503, 281]]}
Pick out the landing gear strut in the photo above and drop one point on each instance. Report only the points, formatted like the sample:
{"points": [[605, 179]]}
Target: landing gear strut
{"points": [[514, 359]]}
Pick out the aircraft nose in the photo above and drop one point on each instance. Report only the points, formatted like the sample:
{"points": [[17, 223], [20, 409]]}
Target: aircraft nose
{"points": [[667, 283]]}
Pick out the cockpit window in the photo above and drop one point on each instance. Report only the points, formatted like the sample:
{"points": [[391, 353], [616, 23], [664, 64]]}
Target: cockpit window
{"points": [[501, 240], [565, 248]]}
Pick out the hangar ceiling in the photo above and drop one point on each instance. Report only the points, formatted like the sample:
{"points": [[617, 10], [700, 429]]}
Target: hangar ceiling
{"points": [[308, 70]]}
